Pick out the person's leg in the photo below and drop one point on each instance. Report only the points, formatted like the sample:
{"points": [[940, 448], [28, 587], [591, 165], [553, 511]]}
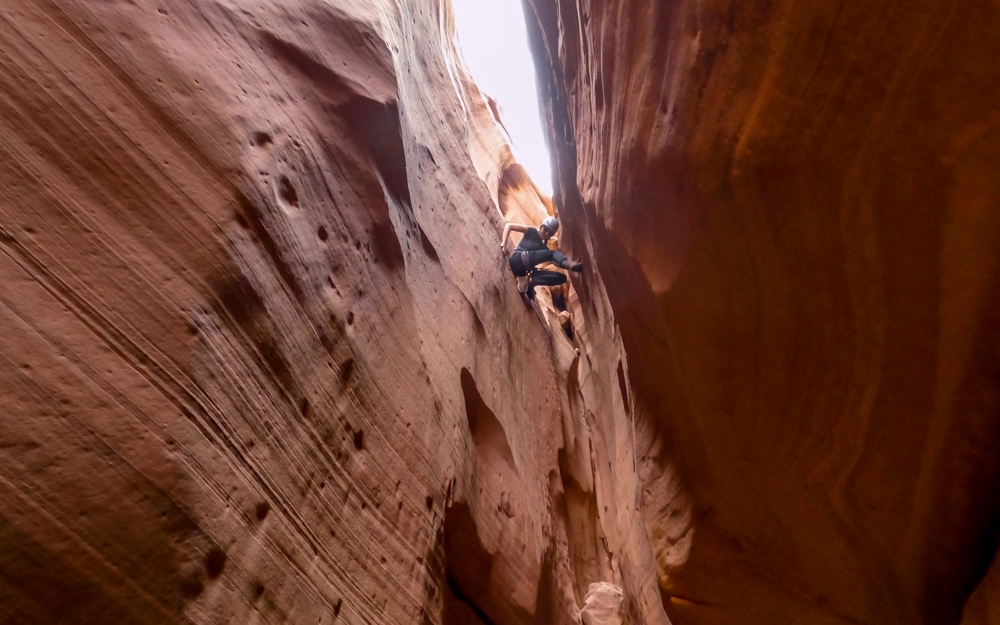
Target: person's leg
{"points": [[516, 267], [542, 256], [564, 263], [520, 272], [540, 277], [556, 257]]}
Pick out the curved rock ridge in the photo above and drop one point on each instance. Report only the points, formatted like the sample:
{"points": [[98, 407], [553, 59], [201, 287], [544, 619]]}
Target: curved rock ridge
{"points": [[262, 361], [793, 206]]}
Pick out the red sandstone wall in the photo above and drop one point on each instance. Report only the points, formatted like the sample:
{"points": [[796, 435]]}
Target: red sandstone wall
{"points": [[793, 206], [261, 361]]}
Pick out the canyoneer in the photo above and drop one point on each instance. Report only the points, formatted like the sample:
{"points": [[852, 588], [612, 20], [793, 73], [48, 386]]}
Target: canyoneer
{"points": [[533, 250]]}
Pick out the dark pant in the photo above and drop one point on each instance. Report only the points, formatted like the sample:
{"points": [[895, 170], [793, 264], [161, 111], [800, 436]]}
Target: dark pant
{"points": [[539, 277]]}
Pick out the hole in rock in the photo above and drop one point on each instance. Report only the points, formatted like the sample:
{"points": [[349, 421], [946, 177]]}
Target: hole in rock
{"points": [[337, 606], [429, 500], [322, 234], [215, 561], [304, 406], [359, 440], [428, 248], [468, 567], [478, 324], [386, 245], [287, 192], [237, 297], [346, 370], [262, 509], [261, 139], [258, 590], [350, 318], [377, 128], [623, 387], [488, 434], [426, 151]]}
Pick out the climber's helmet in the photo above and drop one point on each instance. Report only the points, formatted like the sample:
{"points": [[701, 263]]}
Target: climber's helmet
{"points": [[549, 227]]}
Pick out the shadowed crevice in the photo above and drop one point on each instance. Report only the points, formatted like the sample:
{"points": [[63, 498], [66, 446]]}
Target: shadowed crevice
{"points": [[488, 434], [467, 568], [578, 507], [376, 126]]}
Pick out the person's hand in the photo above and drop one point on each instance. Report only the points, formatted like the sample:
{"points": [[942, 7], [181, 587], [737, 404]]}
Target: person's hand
{"points": [[502, 245]]}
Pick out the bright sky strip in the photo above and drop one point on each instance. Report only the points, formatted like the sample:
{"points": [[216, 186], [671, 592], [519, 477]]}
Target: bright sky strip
{"points": [[494, 42]]}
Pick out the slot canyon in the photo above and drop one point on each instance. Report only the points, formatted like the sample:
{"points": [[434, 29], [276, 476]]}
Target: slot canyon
{"points": [[262, 359]]}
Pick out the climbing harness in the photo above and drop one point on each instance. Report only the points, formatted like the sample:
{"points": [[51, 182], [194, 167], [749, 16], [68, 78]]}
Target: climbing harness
{"points": [[524, 282]]}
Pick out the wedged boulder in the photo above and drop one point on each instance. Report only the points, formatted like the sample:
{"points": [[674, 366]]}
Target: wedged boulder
{"points": [[603, 605]]}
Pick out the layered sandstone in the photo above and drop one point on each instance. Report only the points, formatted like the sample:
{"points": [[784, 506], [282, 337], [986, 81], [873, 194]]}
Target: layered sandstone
{"points": [[262, 360], [793, 206]]}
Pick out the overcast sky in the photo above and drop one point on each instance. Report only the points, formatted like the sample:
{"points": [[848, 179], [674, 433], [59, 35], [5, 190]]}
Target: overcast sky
{"points": [[494, 43]]}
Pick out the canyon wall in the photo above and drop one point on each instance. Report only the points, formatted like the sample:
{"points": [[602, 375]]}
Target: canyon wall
{"points": [[263, 362], [262, 359], [793, 206]]}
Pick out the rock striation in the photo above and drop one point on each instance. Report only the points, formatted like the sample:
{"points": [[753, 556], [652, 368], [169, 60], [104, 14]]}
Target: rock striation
{"points": [[792, 206], [262, 361]]}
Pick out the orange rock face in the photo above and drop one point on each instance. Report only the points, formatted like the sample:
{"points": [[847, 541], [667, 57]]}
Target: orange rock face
{"points": [[262, 361], [793, 207]]}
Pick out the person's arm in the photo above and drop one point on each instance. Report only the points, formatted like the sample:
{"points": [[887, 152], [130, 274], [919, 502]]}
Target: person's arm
{"points": [[507, 229]]}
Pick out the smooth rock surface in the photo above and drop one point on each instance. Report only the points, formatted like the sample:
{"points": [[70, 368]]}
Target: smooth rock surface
{"points": [[983, 607], [793, 207]]}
